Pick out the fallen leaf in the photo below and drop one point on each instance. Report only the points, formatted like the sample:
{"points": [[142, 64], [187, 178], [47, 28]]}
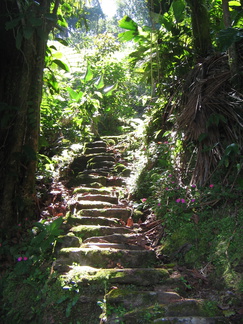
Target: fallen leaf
{"points": [[130, 222]]}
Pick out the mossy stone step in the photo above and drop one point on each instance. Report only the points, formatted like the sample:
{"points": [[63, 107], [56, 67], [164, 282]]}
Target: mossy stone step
{"points": [[95, 144], [86, 220], [89, 204], [100, 164], [106, 245], [97, 197], [190, 320], [94, 191], [107, 258], [121, 213], [85, 231], [102, 158], [85, 179], [115, 182], [89, 178], [94, 150], [113, 238], [141, 277], [169, 304]]}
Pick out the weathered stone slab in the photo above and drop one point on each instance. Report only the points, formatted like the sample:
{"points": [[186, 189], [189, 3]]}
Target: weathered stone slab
{"points": [[94, 191], [98, 197], [121, 213], [86, 220], [86, 231], [107, 258], [88, 204]]}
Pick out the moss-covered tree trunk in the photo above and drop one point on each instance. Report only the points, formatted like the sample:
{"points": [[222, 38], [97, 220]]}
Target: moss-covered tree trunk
{"points": [[200, 28], [24, 29]]}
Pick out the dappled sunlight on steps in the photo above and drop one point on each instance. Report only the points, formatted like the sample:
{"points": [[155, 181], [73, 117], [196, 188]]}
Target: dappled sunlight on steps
{"points": [[112, 265]]}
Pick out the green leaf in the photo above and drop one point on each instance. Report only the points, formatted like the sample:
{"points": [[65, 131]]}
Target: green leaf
{"points": [[232, 149], [99, 83], [166, 20], [234, 4], [127, 23], [127, 36], [61, 65], [28, 32], [88, 74], [75, 95], [12, 23], [61, 41], [178, 9], [228, 36], [108, 91]]}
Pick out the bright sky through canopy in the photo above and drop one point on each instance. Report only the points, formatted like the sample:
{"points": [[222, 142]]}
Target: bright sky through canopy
{"points": [[108, 7]]}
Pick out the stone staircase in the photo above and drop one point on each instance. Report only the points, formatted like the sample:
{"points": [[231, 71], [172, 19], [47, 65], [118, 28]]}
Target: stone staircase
{"points": [[105, 261]]}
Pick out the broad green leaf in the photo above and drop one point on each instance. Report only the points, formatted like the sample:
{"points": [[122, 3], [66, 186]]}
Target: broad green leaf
{"points": [[74, 95], [98, 94], [228, 36], [62, 41], [166, 20], [127, 36], [99, 84], [28, 32], [12, 23], [108, 91], [234, 3], [127, 23], [61, 65], [232, 149], [178, 9], [88, 74], [35, 22]]}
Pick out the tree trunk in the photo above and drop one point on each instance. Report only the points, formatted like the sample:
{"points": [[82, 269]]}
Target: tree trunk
{"points": [[200, 28], [24, 31], [234, 61]]}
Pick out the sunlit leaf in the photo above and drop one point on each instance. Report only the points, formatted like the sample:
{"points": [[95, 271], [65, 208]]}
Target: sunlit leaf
{"points": [[74, 95], [99, 84], [127, 23], [108, 91], [88, 74], [127, 36], [61, 65]]}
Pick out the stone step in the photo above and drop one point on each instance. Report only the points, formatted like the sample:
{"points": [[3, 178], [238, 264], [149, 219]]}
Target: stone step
{"points": [[141, 277], [169, 304], [115, 182], [94, 150], [190, 320], [95, 191], [98, 172], [98, 198], [127, 238], [106, 257], [102, 158], [88, 204], [122, 213], [95, 144], [86, 231], [111, 246], [86, 220], [100, 164], [90, 178]]}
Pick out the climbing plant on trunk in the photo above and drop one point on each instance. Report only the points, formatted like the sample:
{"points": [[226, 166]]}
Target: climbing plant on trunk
{"points": [[24, 29]]}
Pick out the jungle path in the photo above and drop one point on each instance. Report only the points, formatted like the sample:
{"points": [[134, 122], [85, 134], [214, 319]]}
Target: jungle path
{"points": [[107, 262]]}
